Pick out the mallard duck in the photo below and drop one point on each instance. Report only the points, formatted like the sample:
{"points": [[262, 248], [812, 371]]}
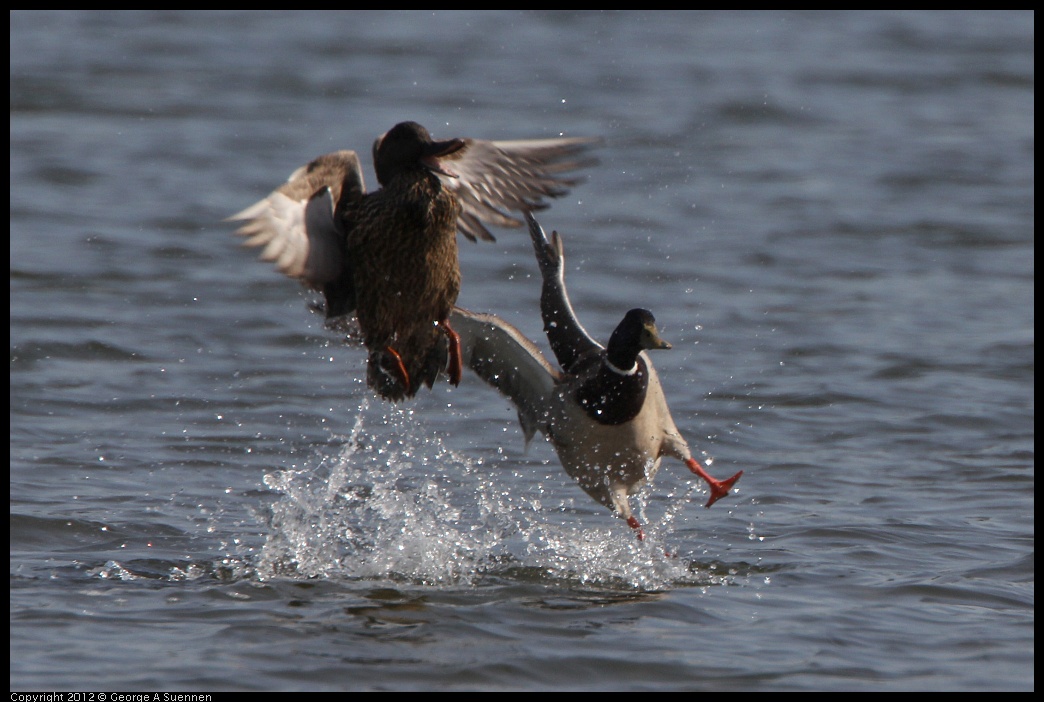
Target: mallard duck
{"points": [[390, 255], [604, 411]]}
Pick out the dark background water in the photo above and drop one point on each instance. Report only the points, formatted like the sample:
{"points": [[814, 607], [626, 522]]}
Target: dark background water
{"points": [[831, 215]]}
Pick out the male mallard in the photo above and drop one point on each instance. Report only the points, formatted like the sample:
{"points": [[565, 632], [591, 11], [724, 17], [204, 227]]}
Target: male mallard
{"points": [[604, 412], [391, 255]]}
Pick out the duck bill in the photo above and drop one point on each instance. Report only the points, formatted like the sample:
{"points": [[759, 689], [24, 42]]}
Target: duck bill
{"points": [[653, 340], [436, 150]]}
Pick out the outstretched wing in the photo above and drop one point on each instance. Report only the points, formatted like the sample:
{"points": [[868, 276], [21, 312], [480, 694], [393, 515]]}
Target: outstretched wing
{"points": [[495, 178], [298, 224], [569, 341], [504, 358]]}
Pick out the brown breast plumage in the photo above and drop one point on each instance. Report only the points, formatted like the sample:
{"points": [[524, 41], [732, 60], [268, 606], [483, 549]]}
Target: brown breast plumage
{"points": [[403, 241]]}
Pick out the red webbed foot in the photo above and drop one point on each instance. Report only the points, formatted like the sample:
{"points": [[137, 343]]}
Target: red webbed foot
{"points": [[718, 488], [636, 525], [455, 365], [391, 363]]}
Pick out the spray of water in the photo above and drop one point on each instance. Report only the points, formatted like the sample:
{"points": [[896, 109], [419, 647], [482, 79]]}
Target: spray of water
{"points": [[394, 503]]}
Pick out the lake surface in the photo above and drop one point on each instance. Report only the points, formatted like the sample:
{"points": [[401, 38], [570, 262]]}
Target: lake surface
{"points": [[830, 214]]}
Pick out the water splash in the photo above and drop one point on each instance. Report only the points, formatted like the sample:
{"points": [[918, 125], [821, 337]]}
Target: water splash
{"points": [[396, 503]]}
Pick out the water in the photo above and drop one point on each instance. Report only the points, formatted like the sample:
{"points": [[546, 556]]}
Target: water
{"points": [[830, 214]]}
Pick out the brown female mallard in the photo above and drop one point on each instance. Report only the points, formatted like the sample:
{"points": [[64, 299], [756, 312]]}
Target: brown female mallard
{"points": [[604, 412], [390, 255]]}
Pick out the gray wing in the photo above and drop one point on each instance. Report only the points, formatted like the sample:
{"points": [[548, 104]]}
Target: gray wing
{"points": [[298, 224], [496, 178], [504, 358], [569, 341]]}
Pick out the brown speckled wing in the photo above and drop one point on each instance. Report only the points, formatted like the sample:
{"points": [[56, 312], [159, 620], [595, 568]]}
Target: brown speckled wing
{"points": [[496, 178]]}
